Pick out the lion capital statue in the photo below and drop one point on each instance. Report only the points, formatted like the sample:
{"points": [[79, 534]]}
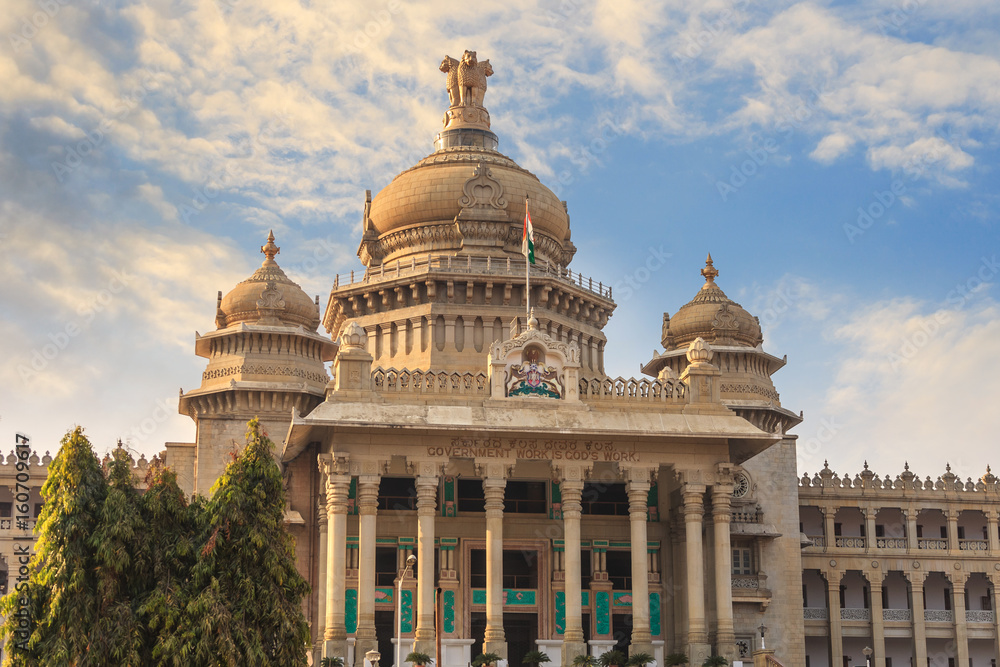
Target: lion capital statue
{"points": [[466, 81]]}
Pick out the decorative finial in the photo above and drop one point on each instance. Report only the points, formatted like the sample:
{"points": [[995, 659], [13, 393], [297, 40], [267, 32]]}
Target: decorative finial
{"points": [[988, 471], [906, 465], [826, 463], [710, 272], [532, 321], [270, 250], [947, 467]]}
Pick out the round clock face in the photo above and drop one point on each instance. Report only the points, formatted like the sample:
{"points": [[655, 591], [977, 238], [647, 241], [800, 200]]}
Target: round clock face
{"points": [[741, 485]]}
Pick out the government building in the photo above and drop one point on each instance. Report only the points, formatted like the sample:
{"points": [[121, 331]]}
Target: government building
{"points": [[437, 406]]}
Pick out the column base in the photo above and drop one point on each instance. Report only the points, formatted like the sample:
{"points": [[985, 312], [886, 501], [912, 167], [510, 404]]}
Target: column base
{"points": [[405, 647], [698, 653], [334, 648], [645, 647], [494, 646], [552, 648], [428, 646], [598, 647], [455, 653], [362, 646], [725, 645], [570, 650]]}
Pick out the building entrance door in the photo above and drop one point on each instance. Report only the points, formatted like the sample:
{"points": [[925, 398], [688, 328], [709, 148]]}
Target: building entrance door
{"points": [[521, 631]]}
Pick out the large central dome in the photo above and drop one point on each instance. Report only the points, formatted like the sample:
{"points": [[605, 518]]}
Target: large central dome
{"points": [[466, 198]]}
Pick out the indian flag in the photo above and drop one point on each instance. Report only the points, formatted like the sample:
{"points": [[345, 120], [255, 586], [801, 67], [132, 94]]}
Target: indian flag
{"points": [[528, 240]]}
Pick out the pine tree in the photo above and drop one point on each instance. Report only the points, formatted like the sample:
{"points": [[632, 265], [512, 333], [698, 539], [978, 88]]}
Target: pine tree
{"points": [[246, 593], [174, 527], [122, 555], [61, 591]]}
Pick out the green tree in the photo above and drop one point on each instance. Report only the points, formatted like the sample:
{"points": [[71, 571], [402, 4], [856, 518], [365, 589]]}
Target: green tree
{"points": [[61, 594], [174, 527], [244, 607]]}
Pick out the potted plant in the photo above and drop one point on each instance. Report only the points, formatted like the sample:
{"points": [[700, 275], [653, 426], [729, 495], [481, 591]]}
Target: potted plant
{"points": [[675, 659], [639, 660], [612, 658], [418, 659], [715, 661], [585, 661], [332, 662], [535, 658], [484, 659]]}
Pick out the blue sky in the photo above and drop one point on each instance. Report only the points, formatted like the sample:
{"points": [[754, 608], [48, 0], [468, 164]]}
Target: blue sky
{"points": [[839, 160]]}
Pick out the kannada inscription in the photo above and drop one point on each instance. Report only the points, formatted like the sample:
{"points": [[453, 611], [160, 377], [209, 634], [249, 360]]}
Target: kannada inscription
{"points": [[524, 448]]}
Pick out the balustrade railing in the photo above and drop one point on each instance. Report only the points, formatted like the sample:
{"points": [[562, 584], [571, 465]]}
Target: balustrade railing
{"points": [[652, 391], [849, 614], [393, 381], [890, 542], [931, 543], [973, 545], [817, 540], [897, 615], [816, 614], [748, 515], [851, 542], [470, 265], [979, 616], [939, 615]]}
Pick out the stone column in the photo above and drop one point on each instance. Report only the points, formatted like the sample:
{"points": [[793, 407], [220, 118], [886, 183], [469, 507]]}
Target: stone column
{"points": [[571, 488], [995, 580], [836, 632], [324, 548], [875, 580], [952, 516], [722, 515], [911, 528], [829, 516], [638, 496], [338, 484], [958, 580], [869, 514], [919, 623], [494, 477], [994, 538], [368, 507], [697, 630], [427, 483]]}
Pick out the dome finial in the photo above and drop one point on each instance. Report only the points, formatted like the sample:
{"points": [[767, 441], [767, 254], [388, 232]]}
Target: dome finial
{"points": [[710, 272], [270, 250]]}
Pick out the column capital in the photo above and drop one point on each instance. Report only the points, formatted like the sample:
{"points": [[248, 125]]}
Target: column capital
{"points": [[958, 578], [915, 577], [427, 486], [321, 513], [336, 463], [869, 512], [370, 467], [951, 513], [429, 471], [725, 473], [832, 577], [826, 510], [571, 472], [368, 494], [491, 469], [875, 577], [639, 476]]}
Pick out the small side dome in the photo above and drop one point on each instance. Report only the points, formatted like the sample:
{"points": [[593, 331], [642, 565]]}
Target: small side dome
{"points": [[268, 298], [712, 316]]}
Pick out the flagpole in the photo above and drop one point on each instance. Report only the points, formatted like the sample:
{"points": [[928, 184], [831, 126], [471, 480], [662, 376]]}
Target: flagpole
{"points": [[527, 268]]}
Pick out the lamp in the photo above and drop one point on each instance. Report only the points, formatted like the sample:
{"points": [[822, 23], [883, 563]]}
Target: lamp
{"points": [[868, 655], [373, 657], [411, 560], [762, 629]]}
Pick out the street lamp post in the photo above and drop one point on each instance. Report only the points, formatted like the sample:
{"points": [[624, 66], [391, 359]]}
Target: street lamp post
{"points": [[868, 655], [411, 560], [373, 657], [762, 629]]}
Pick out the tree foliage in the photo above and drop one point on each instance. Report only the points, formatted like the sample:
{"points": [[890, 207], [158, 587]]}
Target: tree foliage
{"points": [[122, 577]]}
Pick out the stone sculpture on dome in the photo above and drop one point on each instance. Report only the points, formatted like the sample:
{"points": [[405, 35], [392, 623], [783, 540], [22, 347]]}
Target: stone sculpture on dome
{"points": [[466, 82]]}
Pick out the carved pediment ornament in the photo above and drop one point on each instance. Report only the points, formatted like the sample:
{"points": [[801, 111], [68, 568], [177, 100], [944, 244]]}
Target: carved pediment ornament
{"points": [[270, 297], [483, 190], [570, 351]]}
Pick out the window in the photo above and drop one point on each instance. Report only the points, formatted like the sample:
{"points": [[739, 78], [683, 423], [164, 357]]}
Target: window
{"points": [[525, 498], [470, 496], [606, 499], [885, 599], [805, 595], [385, 566], [879, 530], [619, 569], [837, 529], [947, 599], [961, 532], [5, 510], [397, 493], [741, 561]]}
